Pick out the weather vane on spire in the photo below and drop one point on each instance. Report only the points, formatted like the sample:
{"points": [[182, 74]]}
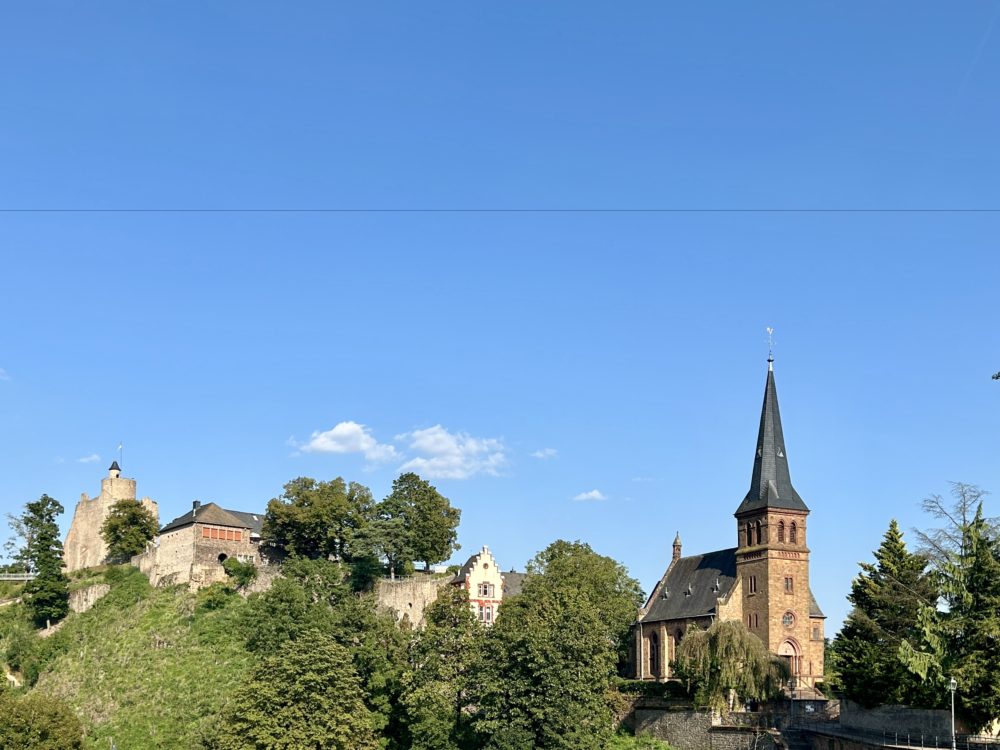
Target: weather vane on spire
{"points": [[770, 347]]}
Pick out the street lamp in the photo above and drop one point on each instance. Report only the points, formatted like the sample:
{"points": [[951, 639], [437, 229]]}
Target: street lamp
{"points": [[952, 686]]}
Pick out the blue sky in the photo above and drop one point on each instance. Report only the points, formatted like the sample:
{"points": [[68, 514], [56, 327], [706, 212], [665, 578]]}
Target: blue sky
{"points": [[520, 359]]}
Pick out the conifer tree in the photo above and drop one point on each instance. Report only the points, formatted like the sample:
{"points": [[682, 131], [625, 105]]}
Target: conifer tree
{"points": [[47, 596], [887, 596]]}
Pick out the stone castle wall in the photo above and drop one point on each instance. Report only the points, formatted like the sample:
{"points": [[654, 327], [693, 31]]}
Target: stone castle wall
{"points": [[84, 546], [409, 597]]}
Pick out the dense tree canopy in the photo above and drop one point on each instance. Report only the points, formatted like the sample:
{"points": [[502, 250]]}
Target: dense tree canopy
{"points": [[307, 695], [127, 529], [47, 596], [37, 722], [888, 596], [319, 519]]}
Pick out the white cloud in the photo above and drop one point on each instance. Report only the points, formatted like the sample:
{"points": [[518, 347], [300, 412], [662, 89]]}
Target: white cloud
{"points": [[93, 458], [452, 455], [592, 495], [349, 437], [545, 453], [3, 374]]}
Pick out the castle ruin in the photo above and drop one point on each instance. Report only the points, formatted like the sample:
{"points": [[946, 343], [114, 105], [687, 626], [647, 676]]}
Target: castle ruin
{"points": [[84, 546]]}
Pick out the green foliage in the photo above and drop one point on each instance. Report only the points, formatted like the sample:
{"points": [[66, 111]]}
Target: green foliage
{"points": [[38, 722], [440, 681], [602, 580], [306, 695], [146, 667], [960, 642], [547, 671], [127, 529], [242, 573], [47, 596], [319, 519], [888, 596], [727, 662], [430, 522]]}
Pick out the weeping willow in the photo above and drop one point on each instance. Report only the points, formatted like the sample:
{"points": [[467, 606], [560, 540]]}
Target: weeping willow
{"points": [[727, 662]]}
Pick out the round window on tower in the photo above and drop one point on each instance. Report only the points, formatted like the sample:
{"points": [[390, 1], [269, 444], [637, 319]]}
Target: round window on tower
{"points": [[788, 620]]}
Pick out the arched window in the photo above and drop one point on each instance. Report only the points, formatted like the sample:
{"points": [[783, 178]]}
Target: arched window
{"points": [[793, 533], [654, 655], [781, 531], [749, 534], [760, 537]]}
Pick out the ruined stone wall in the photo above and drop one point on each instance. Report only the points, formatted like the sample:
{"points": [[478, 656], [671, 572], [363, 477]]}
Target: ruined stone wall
{"points": [[84, 546], [83, 599], [409, 597]]}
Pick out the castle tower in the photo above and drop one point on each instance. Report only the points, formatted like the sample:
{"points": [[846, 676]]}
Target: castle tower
{"points": [[84, 546], [772, 558]]}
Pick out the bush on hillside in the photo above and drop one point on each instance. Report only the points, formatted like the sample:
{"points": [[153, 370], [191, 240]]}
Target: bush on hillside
{"points": [[38, 722]]}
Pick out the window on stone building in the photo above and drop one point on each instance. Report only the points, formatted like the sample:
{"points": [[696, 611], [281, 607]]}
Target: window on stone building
{"points": [[482, 613], [781, 531], [756, 621], [793, 533], [486, 589], [654, 655], [760, 537], [749, 534], [788, 619], [749, 621], [752, 585], [788, 584], [815, 634], [488, 614]]}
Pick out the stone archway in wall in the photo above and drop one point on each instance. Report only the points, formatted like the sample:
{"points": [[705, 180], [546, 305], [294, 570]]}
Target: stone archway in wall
{"points": [[789, 651]]}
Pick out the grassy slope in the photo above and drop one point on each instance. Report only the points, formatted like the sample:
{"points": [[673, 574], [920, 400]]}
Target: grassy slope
{"points": [[147, 667]]}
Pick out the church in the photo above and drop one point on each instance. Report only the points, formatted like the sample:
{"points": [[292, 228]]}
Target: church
{"points": [[763, 581]]}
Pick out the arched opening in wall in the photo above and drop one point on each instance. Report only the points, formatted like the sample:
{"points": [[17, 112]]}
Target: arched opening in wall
{"points": [[781, 531], [749, 534], [760, 536], [654, 655], [793, 533], [223, 557], [789, 651]]}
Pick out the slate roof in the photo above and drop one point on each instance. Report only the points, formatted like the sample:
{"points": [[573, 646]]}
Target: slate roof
{"points": [[692, 585], [465, 569], [213, 514], [512, 583], [114, 466], [771, 483]]}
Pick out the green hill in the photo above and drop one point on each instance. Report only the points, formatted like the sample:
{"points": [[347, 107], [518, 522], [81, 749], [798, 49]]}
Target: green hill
{"points": [[146, 668]]}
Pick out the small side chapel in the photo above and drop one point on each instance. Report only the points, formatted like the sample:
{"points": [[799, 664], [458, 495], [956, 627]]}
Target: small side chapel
{"points": [[763, 581]]}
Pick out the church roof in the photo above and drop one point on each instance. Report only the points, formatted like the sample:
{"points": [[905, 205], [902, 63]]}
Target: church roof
{"points": [[691, 586], [771, 483], [213, 514]]}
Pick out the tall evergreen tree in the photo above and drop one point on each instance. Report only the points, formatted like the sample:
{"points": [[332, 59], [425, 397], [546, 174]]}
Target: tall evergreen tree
{"points": [[887, 596], [47, 596]]}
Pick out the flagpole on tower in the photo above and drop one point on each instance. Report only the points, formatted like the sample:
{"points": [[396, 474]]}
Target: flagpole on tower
{"points": [[121, 453]]}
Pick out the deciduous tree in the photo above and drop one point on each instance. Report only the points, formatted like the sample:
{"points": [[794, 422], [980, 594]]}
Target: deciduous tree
{"points": [[307, 695], [727, 662], [37, 722], [127, 529]]}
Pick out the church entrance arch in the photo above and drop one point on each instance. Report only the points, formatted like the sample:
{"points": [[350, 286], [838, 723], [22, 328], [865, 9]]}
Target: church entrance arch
{"points": [[789, 651]]}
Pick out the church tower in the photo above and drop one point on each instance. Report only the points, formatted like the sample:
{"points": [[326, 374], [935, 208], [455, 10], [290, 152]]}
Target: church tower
{"points": [[772, 556]]}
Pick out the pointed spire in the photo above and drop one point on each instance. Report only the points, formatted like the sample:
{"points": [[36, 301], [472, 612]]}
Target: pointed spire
{"points": [[771, 484], [677, 546]]}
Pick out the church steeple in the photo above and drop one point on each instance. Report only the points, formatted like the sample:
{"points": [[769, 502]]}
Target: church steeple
{"points": [[771, 484]]}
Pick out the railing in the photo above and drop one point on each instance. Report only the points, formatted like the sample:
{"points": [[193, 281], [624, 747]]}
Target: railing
{"points": [[898, 738], [17, 577]]}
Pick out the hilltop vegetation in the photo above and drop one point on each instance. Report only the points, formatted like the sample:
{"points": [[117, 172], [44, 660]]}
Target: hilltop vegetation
{"points": [[166, 668]]}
